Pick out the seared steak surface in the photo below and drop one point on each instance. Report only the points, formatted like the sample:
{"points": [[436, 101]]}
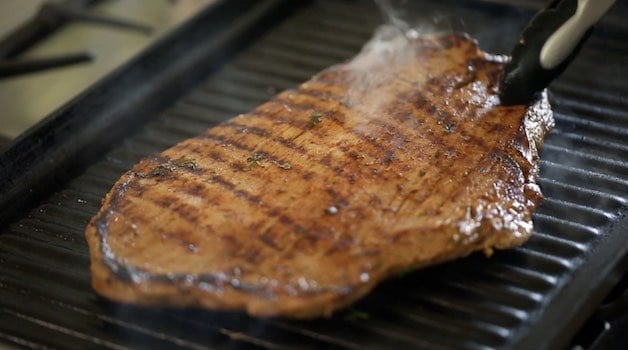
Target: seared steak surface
{"points": [[398, 159]]}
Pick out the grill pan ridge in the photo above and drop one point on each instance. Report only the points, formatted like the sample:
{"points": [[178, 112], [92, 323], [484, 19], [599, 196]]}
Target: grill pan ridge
{"points": [[530, 297]]}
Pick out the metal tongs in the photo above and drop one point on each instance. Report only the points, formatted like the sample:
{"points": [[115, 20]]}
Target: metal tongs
{"points": [[547, 46]]}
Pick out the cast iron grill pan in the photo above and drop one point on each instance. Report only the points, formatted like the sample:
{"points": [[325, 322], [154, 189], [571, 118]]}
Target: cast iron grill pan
{"points": [[535, 296]]}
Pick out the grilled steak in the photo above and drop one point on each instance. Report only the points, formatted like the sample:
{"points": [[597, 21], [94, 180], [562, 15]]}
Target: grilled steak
{"points": [[400, 158]]}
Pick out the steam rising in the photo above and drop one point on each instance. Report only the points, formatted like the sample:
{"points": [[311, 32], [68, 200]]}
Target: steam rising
{"points": [[385, 57], [389, 47], [393, 14]]}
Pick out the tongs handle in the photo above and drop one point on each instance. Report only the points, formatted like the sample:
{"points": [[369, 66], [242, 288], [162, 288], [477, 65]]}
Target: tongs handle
{"points": [[547, 45]]}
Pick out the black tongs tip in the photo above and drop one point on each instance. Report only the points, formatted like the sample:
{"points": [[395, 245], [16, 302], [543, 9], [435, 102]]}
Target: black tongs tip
{"points": [[547, 46]]}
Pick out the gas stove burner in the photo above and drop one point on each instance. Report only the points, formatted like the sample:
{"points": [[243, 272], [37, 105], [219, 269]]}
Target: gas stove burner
{"points": [[50, 17]]}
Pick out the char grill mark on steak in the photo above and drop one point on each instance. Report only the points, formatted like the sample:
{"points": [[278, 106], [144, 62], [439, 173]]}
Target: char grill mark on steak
{"points": [[301, 206], [243, 144]]}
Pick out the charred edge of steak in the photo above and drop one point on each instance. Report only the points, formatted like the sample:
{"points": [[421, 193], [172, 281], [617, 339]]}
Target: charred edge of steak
{"points": [[127, 273]]}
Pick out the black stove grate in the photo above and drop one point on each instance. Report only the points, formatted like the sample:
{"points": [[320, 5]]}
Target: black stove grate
{"points": [[530, 297]]}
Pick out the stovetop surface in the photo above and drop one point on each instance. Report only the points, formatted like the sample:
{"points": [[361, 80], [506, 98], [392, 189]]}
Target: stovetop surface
{"points": [[27, 98]]}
